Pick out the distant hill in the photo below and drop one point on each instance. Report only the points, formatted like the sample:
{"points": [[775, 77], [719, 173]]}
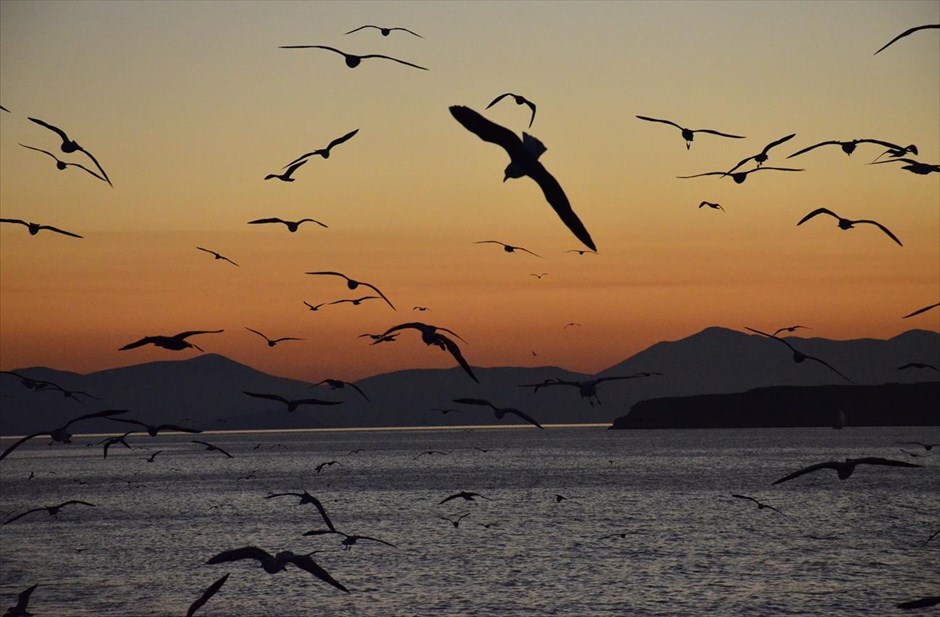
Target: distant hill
{"points": [[205, 391]]}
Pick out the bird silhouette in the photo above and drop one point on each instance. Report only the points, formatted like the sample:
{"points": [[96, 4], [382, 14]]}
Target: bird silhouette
{"points": [[355, 301], [292, 404], [539, 276], [925, 446], [348, 539], [429, 453], [352, 284], [587, 389], [273, 342], [915, 167], [385, 30], [581, 252], [273, 564], [924, 602], [524, 161], [761, 157], [152, 456], [689, 134], [520, 100], [847, 146], [907, 32], [849, 224], [352, 60], [324, 152], [455, 521], [897, 153], [154, 429], [287, 176], [35, 228], [920, 365], [212, 448], [845, 468], [339, 384], [111, 441], [921, 310], [788, 329], [62, 434], [176, 342], [711, 205], [292, 226], [760, 506], [465, 495], [420, 308], [305, 498], [380, 338], [206, 596], [217, 255], [499, 412], [507, 247], [22, 600], [739, 176], [320, 466], [51, 510], [69, 146], [431, 336], [799, 356], [62, 165]]}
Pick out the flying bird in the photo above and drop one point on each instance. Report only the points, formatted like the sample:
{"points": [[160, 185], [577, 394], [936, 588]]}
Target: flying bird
{"points": [[587, 389], [292, 404], [352, 60], [848, 146], [429, 453], [152, 456], [904, 34], [915, 167], [355, 301], [507, 247], [849, 224], [524, 161], [316, 307], [348, 539], [320, 466], [152, 429], [385, 30], [69, 146], [711, 205], [465, 495], [352, 284], [35, 228], [62, 434], [431, 336], [51, 510], [380, 338], [921, 310], [739, 176], [520, 100], [176, 342], [455, 521], [499, 412], [925, 446], [206, 596], [581, 252], [689, 134], [339, 384], [539, 276], [287, 176], [217, 255], [420, 308], [22, 600], [324, 152], [291, 225], [273, 342], [761, 157], [799, 356], [917, 365], [61, 165], [110, 441], [276, 563], [760, 506], [845, 468], [789, 329], [306, 497], [212, 448]]}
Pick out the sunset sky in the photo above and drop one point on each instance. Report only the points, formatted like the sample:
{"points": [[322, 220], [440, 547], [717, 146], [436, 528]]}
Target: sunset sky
{"points": [[188, 106]]}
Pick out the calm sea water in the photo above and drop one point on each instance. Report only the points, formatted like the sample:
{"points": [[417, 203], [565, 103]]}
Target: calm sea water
{"points": [[853, 547]]}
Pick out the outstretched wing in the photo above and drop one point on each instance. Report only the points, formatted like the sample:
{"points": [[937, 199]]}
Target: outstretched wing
{"points": [[273, 397], [59, 231], [648, 119], [814, 146], [718, 133], [816, 212], [378, 291], [487, 130], [882, 228], [19, 443], [452, 348], [52, 128], [498, 99], [877, 460], [904, 34], [21, 515], [99, 414], [394, 59], [806, 470], [245, 552], [306, 562], [267, 220], [343, 139], [524, 416], [206, 595]]}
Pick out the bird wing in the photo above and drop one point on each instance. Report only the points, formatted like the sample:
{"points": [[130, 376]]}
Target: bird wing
{"points": [[816, 212], [648, 119], [268, 220], [745, 497], [774, 144], [904, 34], [814, 146], [378, 291], [208, 593], [52, 128], [174, 427], [59, 231], [258, 333], [710, 173], [810, 469], [603, 379], [524, 416], [43, 151], [340, 274], [80, 166], [22, 600], [829, 366], [361, 28], [306, 562], [21, 515], [98, 414], [394, 59], [527, 251], [498, 99], [322, 511], [344, 54], [475, 401], [876, 460], [886, 144], [342, 139], [188, 333], [76, 501], [374, 540], [742, 162], [273, 397], [557, 199], [486, 129], [358, 389], [18, 443], [315, 401], [287, 338], [97, 164], [144, 341], [408, 31], [452, 348], [718, 133], [921, 310], [20, 221], [245, 552], [882, 228]]}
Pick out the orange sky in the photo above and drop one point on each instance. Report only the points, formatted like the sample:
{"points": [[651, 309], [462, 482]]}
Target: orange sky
{"points": [[189, 105]]}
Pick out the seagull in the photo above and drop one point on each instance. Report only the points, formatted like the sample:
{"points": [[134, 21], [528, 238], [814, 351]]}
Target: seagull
{"points": [[465, 495], [110, 441], [506, 247], [498, 411], [211, 447], [420, 308], [291, 225], [917, 365], [761, 157], [292, 404], [539, 276], [431, 336], [326, 464], [22, 600], [520, 100], [429, 453], [689, 134], [384, 30], [581, 252], [925, 446], [848, 224], [446, 411], [587, 389], [789, 329], [711, 205], [35, 228], [62, 434], [324, 152], [217, 255], [848, 146], [455, 521], [153, 456], [798, 356], [273, 342], [845, 468], [286, 176], [339, 384], [29, 382], [348, 539], [52, 510], [353, 284], [176, 342], [152, 430], [380, 338], [524, 161], [352, 60], [897, 153], [276, 563], [355, 301], [206, 595], [760, 506], [61, 165], [921, 310], [739, 176], [69, 146], [306, 497], [315, 307], [904, 34], [570, 324], [915, 167]]}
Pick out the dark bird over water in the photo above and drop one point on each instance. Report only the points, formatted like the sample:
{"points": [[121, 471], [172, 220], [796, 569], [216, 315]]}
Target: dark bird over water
{"points": [[352, 284], [465, 495], [51, 510], [924, 602], [152, 429], [429, 453], [689, 134], [848, 224], [22, 600], [275, 341], [111, 441], [217, 255], [339, 384], [799, 356], [925, 446], [917, 365], [385, 30], [69, 146], [206, 596], [352, 60], [506, 247], [848, 146], [455, 521], [212, 448], [291, 225], [276, 563], [176, 342], [287, 176], [524, 161], [35, 228], [520, 100], [306, 497], [292, 404], [761, 157], [788, 329], [587, 389], [348, 539], [921, 310], [904, 34], [499, 412], [325, 152], [431, 336], [760, 506], [62, 434], [711, 205], [845, 468], [320, 466], [739, 176], [61, 165]]}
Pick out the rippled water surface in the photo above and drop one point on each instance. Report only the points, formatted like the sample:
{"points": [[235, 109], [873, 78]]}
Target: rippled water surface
{"points": [[684, 546]]}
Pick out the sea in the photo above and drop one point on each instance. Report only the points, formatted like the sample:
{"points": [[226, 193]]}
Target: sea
{"points": [[571, 521]]}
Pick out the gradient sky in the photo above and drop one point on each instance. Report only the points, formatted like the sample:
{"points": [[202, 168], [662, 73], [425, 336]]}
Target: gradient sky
{"points": [[187, 105]]}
